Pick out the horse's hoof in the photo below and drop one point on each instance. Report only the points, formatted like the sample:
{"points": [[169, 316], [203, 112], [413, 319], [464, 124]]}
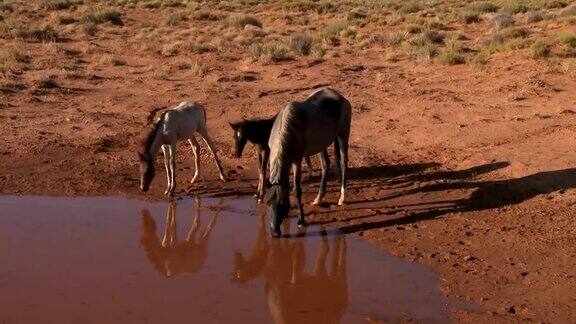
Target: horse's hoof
{"points": [[341, 202], [259, 200], [222, 178], [317, 201], [276, 234], [301, 223]]}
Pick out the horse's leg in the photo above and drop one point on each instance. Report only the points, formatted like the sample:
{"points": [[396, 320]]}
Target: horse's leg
{"points": [[264, 167], [170, 232], [343, 143], [309, 168], [210, 227], [191, 237], [172, 149], [258, 194], [196, 150], [298, 191], [166, 151], [325, 159], [337, 155], [204, 133], [320, 266]]}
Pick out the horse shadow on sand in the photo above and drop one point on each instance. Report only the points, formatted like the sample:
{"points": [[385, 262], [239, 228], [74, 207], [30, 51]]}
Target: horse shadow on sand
{"points": [[484, 195]]}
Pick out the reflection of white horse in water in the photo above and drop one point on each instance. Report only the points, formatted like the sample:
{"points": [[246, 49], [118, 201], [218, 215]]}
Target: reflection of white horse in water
{"points": [[170, 257], [295, 296]]}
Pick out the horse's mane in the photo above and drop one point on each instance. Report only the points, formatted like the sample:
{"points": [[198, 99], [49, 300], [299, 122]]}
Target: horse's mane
{"points": [[147, 141], [289, 127]]}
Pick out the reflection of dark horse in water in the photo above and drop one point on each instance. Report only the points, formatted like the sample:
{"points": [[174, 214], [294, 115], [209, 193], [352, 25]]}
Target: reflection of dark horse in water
{"points": [[295, 296], [170, 257]]}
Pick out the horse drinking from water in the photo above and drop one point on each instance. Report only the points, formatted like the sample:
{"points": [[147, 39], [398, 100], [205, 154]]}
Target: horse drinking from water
{"points": [[303, 129], [257, 132], [173, 125]]}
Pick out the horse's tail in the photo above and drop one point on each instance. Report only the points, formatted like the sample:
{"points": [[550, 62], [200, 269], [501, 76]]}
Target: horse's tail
{"points": [[203, 113]]}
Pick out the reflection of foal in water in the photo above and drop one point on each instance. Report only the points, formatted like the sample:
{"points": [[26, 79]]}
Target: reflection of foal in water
{"points": [[293, 295], [170, 257]]}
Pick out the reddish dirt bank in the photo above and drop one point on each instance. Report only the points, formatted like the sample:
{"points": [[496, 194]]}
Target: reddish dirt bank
{"points": [[470, 171]]}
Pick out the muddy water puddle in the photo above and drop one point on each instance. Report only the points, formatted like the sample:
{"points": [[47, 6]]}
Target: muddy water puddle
{"points": [[108, 260]]}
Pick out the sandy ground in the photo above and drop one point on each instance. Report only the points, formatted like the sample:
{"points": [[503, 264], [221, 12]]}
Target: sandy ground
{"points": [[467, 170]]}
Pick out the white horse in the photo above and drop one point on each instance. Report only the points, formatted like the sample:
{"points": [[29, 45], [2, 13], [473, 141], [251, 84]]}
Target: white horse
{"points": [[173, 125]]}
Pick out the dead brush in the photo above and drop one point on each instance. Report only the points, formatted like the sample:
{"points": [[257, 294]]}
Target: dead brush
{"points": [[96, 16], [300, 44], [240, 21]]}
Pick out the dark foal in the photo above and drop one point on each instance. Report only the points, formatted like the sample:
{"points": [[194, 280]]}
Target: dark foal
{"points": [[257, 132]]}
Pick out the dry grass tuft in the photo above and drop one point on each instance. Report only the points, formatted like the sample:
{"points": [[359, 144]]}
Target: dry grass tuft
{"points": [[240, 21], [102, 16], [301, 44]]}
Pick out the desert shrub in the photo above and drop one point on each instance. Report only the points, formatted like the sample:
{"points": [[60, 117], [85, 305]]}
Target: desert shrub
{"points": [[42, 34], [5, 6], [567, 39], [205, 15], [483, 7], [513, 7], [256, 50], [172, 3], [481, 58], [395, 38], [426, 53], [276, 52], [102, 16], [296, 20], [152, 5], [112, 60], [541, 49], [240, 21], [515, 32], [301, 43], [411, 6], [534, 17], [318, 52], [470, 17], [55, 4], [413, 29], [356, 14], [326, 7], [569, 11], [502, 21], [8, 55], [552, 4], [451, 57], [427, 37], [199, 69], [66, 20], [202, 48], [330, 33], [47, 82], [272, 52], [175, 19], [90, 28]]}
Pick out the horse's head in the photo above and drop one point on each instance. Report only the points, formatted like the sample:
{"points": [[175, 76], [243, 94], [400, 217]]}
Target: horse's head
{"points": [[240, 138], [146, 171], [278, 203]]}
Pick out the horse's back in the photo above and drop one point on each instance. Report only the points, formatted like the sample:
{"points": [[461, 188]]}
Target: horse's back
{"points": [[184, 120], [327, 115]]}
